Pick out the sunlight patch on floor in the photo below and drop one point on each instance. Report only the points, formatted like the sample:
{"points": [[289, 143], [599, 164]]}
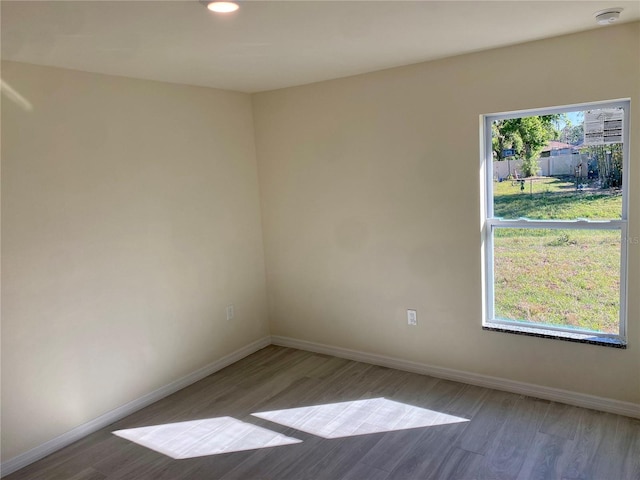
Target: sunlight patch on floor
{"points": [[359, 417], [198, 438]]}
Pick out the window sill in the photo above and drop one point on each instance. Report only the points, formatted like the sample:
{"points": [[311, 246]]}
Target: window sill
{"points": [[556, 335]]}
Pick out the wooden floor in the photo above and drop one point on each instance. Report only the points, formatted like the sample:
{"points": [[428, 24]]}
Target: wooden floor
{"points": [[498, 436]]}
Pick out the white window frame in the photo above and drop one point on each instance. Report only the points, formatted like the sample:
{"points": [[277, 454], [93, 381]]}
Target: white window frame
{"points": [[489, 223]]}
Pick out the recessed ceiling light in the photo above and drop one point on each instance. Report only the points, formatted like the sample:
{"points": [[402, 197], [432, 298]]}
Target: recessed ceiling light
{"points": [[608, 16], [222, 7]]}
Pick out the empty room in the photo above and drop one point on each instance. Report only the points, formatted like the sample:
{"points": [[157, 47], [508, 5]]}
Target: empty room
{"points": [[364, 240]]}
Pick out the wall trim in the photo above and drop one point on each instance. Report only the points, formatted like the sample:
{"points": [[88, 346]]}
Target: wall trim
{"points": [[548, 393], [81, 431], [555, 394]]}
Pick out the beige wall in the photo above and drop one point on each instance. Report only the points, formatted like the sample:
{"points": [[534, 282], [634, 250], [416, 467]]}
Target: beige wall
{"points": [[130, 218], [371, 205]]}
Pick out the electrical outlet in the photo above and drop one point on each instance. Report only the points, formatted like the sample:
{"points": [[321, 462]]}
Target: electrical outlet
{"points": [[412, 317], [229, 312]]}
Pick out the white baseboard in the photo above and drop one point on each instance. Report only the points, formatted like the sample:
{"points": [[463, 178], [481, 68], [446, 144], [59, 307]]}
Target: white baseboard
{"points": [[555, 394], [47, 448]]}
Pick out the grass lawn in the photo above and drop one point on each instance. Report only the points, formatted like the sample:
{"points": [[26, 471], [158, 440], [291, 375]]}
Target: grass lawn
{"points": [[555, 199], [559, 277]]}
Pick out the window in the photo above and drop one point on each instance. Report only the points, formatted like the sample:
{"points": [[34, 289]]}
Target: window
{"points": [[555, 222]]}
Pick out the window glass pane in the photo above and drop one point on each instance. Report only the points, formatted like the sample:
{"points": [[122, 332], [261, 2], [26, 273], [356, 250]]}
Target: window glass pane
{"points": [[546, 167], [568, 278]]}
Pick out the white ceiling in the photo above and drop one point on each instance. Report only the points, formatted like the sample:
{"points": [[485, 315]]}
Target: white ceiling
{"points": [[274, 44]]}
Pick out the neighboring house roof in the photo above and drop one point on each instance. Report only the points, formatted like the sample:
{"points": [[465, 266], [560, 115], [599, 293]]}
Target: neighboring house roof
{"points": [[554, 145]]}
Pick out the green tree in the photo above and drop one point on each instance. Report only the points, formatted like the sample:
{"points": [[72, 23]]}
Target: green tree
{"points": [[527, 136], [573, 134], [505, 136], [607, 160]]}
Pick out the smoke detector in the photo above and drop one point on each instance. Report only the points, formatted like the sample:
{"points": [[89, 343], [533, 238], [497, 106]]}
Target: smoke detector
{"points": [[608, 16]]}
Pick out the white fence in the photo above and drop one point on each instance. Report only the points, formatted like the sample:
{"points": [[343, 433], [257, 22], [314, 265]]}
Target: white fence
{"points": [[547, 166]]}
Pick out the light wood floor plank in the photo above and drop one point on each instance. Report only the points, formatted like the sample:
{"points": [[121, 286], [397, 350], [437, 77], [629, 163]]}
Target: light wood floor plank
{"points": [[629, 433], [457, 464], [545, 458], [561, 420], [428, 452], [511, 445], [361, 471], [490, 434], [487, 422], [594, 435]]}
